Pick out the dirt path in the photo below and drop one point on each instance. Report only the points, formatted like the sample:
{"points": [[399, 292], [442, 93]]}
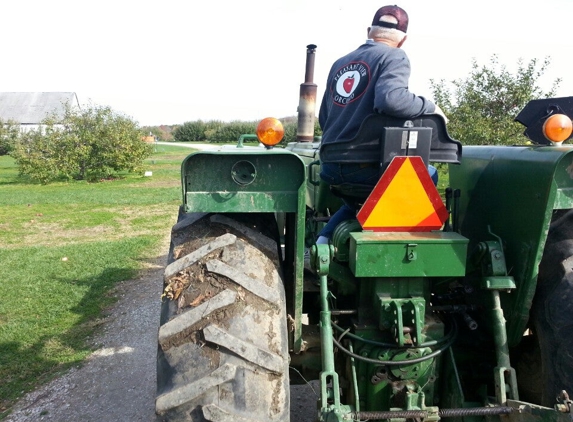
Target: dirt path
{"points": [[117, 383]]}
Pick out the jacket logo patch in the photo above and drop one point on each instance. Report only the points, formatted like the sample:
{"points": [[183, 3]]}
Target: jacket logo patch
{"points": [[350, 82]]}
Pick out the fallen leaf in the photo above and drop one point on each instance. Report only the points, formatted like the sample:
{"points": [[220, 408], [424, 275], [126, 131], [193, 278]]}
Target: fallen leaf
{"points": [[175, 286], [198, 300], [241, 293]]}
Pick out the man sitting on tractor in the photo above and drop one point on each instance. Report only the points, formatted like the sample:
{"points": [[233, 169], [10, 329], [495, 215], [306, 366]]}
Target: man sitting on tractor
{"points": [[371, 79]]}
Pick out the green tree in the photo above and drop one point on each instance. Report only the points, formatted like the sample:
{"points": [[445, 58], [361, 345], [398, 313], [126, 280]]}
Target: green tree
{"points": [[482, 107], [9, 132], [230, 132], [196, 131], [215, 131], [91, 143]]}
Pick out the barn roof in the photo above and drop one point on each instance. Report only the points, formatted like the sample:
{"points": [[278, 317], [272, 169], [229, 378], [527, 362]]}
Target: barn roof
{"points": [[33, 107]]}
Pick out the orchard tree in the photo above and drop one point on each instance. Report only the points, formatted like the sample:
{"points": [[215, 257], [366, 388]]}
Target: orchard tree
{"points": [[90, 143], [215, 131], [482, 107], [197, 131], [9, 132]]}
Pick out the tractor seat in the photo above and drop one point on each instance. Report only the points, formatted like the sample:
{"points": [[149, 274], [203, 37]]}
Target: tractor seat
{"points": [[425, 136]]}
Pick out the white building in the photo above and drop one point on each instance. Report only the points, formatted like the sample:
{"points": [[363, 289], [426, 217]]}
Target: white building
{"points": [[29, 109]]}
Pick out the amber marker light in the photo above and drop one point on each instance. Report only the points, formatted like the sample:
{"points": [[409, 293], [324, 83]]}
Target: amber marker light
{"points": [[557, 128], [270, 131]]}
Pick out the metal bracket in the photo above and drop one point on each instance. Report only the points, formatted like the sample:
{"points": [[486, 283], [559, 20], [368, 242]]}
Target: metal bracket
{"points": [[406, 317], [411, 254], [320, 257]]}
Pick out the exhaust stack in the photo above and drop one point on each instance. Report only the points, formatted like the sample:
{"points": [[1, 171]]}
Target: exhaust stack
{"points": [[307, 101]]}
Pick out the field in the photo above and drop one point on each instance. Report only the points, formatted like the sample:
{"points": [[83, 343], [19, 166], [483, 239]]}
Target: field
{"points": [[63, 247]]}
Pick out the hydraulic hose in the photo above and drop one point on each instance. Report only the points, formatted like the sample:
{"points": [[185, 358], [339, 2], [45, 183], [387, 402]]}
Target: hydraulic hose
{"points": [[432, 343], [398, 362]]}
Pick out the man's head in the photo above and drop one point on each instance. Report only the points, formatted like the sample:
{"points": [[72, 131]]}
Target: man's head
{"points": [[389, 25], [400, 18]]}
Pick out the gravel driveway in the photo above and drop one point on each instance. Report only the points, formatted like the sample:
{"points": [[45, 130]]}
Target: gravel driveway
{"points": [[117, 383]]}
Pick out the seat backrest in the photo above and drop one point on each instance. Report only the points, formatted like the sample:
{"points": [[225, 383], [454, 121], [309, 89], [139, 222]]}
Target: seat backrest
{"points": [[396, 136], [425, 136]]}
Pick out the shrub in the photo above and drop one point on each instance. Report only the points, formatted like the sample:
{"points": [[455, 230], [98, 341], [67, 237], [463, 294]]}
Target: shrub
{"points": [[91, 143], [190, 132], [196, 131], [215, 131], [230, 132], [9, 132]]}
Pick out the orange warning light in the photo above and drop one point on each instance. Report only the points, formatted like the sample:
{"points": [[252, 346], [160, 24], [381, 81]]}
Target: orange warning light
{"points": [[404, 199], [270, 131], [557, 128]]}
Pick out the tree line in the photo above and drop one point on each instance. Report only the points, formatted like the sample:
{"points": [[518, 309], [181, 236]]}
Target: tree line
{"points": [[217, 131]]}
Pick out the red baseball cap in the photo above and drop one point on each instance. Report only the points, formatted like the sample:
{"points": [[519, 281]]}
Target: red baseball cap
{"points": [[399, 13]]}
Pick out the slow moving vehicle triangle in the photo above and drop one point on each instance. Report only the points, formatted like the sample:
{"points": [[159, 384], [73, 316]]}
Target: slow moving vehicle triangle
{"points": [[404, 199]]}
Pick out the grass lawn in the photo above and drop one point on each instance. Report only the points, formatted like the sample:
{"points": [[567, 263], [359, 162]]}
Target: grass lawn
{"points": [[63, 246]]}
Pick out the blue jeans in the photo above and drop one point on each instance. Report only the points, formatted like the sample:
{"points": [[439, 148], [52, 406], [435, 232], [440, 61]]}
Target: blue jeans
{"points": [[366, 174]]}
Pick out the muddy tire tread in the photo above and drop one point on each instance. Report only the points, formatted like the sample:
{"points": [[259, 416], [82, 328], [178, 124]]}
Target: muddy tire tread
{"points": [[226, 358]]}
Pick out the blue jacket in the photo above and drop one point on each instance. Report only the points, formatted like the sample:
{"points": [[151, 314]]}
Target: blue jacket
{"points": [[371, 79]]}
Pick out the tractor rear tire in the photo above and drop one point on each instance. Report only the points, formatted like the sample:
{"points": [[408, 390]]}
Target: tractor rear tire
{"points": [[223, 345], [551, 345]]}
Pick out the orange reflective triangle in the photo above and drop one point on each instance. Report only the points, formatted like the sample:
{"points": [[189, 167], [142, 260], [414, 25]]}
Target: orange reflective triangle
{"points": [[404, 199]]}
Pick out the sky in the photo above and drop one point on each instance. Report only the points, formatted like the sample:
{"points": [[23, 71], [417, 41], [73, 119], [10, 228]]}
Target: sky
{"points": [[172, 61]]}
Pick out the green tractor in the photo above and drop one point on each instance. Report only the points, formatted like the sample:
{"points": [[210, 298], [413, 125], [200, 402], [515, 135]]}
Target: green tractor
{"points": [[428, 305]]}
